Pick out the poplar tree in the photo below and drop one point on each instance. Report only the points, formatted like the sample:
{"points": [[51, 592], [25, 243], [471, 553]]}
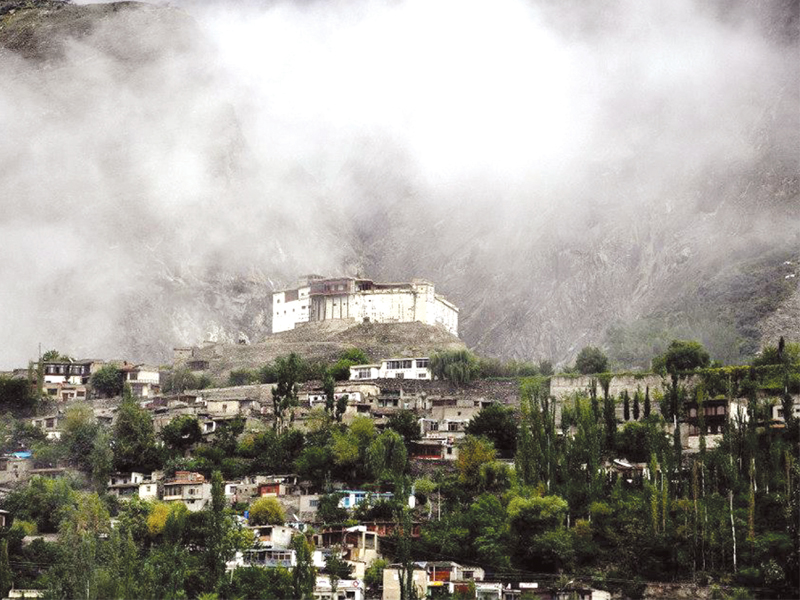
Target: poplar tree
{"points": [[6, 578], [626, 405], [304, 574]]}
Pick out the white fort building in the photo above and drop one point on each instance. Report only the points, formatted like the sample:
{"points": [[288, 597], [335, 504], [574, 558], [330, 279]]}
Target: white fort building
{"points": [[361, 301]]}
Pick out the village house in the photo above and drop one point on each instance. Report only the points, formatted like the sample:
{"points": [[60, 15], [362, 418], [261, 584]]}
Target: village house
{"points": [[144, 381], [125, 485], [77, 372], [51, 425], [346, 589], [5, 519], [717, 412], [358, 546], [15, 468], [66, 392], [434, 448], [361, 301], [394, 368], [433, 578], [273, 536], [190, 488], [777, 410], [278, 485], [269, 558]]}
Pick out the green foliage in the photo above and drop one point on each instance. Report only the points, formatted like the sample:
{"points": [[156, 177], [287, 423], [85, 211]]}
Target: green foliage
{"points": [[180, 379], [284, 395], [267, 511], [134, 439], [591, 360], [257, 584], [242, 377], [15, 393], [387, 457], [181, 433], [473, 453], [405, 423], [304, 572], [43, 501], [498, 424], [782, 354], [457, 366], [6, 576], [682, 355], [55, 356], [107, 381], [328, 510], [373, 576]]}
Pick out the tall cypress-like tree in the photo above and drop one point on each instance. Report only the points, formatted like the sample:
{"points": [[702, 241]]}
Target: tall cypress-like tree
{"points": [[215, 534], [647, 402], [304, 574], [134, 437], [6, 577], [626, 405], [636, 400]]}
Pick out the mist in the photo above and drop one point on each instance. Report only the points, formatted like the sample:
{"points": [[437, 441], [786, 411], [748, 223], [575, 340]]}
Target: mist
{"points": [[554, 167]]}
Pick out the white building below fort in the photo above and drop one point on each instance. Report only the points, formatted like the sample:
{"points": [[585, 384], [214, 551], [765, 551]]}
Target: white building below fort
{"points": [[361, 301]]}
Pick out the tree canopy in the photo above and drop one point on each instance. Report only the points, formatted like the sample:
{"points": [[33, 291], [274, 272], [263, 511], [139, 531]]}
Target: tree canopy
{"points": [[591, 360], [682, 355]]}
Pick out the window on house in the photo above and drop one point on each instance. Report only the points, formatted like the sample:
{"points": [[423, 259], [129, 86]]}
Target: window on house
{"points": [[452, 427], [422, 363], [434, 426]]}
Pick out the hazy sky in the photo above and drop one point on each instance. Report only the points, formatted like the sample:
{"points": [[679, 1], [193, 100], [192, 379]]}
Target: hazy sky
{"points": [[236, 139]]}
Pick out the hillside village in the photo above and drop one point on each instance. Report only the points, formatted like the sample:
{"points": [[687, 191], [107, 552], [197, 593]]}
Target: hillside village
{"points": [[345, 474]]}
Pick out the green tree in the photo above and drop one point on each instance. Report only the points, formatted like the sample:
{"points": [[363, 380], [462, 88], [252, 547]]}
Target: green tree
{"points": [[304, 573], [336, 568], [134, 438], [180, 379], [591, 360], [329, 511], [387, 457], [15, 393], [55, 356], [405, 423], [328, 386], [6, 576], [80, 432], [107, 380], [457, 366], [181, 433], [498, 424], [120, 574], [215, 534], [682, 355], [373, 576], [473, 453], [257, 583], [284, 394], [267, 511], [241, 377]]}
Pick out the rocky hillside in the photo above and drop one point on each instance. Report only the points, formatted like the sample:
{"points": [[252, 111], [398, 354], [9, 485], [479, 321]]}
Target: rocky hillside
{"points": [[325, 342], [165, 228]]}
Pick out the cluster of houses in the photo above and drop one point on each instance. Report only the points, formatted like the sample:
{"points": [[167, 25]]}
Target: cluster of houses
{"points": [[67, 380], [378, 391]]}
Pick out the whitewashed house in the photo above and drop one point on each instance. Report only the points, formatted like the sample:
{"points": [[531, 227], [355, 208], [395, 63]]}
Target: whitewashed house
{"points": [[394, 368]]}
